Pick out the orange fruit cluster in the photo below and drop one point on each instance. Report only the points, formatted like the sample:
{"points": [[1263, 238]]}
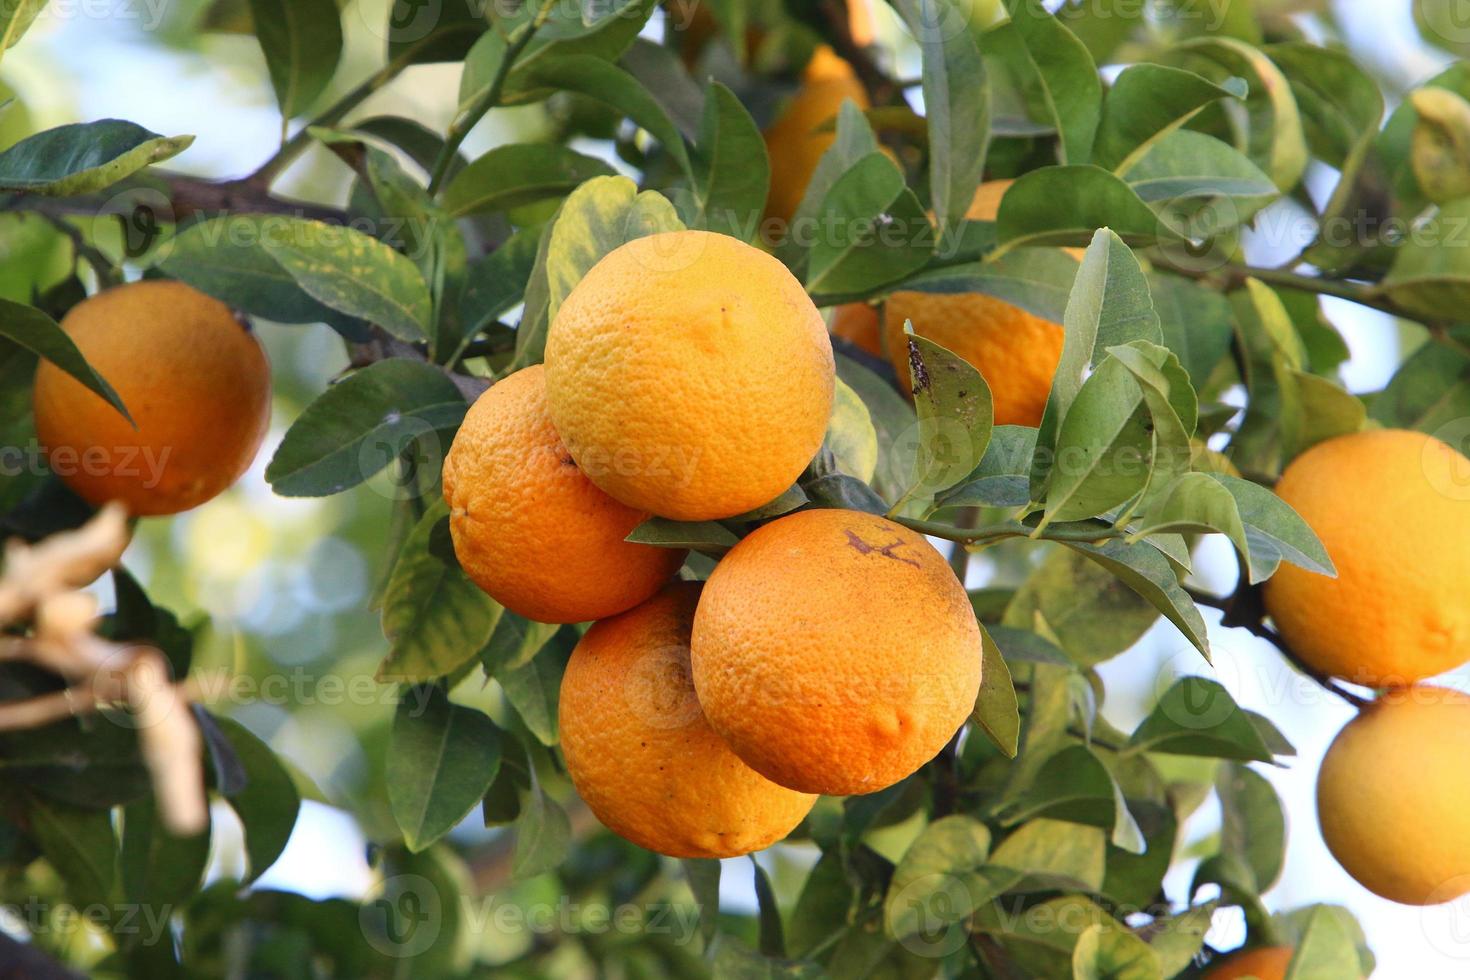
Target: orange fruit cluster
{"points": [[689, 376], [1392, 508]]}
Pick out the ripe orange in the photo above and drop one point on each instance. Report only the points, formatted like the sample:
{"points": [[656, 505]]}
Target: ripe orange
{"points": [[640, 752], [690, 375], [858, 323], [528, 527], [1393, 796], [194, 379], [1262, 963], [835, 651], [1015, 351], [1391, 507], [793, 142]]}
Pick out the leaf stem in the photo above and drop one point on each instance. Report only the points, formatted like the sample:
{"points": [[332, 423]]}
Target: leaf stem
{"points": [[463, 123], [988, 533]]}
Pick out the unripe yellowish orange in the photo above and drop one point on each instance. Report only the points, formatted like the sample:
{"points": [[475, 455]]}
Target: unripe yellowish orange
{"points": [[194, 379], [1392, 508], [1261, 963], [798, 138], [690, 375], [835, 651], [640, 752], [1393, 796]]}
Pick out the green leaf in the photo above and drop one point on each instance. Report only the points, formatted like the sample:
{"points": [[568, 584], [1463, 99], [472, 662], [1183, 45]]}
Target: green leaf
{"points": [[1180, 938], [1111, 952], [1054, 854], [363, 423], [875, 231], [1328, 947], [1109, 306], [854, 142], [1430, 276], [996, 710], [1315, 409], [1091, 613], [596, 218], [1274, 532], [224, 258], [1148, 102], [1252, 823], [1273, 130], [1146, 571], [269, 801], [80, 844], [441, 761], [38, 333], [1074, 785], [1065, 205], [731, 166], [543, 835], [1197, 716], [1340, 104], [941, 877], [1001, 478], [495, 284], [302, 42], [893, 418], [707, 536], [16, 16], [532, 688], [850, 437], [158, 869], [768, 914], [421, 33], [1195, 503], [517, 174], [1186, 169], [81, 158], [1103, 448], [703, 875], [514, 641], [352, 273], [1195, 322], [603, 31], [955, 417], [607, 83], [1430, 390], [1066, 77], [435, 618], [1038, 280], [956, 106]]}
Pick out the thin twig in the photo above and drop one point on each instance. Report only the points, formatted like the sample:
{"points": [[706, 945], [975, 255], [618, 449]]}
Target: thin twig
{"points": [[461, 126]]}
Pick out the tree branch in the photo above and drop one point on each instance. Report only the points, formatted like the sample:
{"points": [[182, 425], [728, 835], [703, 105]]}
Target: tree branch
{"points": [[1243, 610]]}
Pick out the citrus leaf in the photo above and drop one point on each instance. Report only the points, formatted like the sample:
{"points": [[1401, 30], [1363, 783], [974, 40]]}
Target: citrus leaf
{"points": [[880, 231], [543, 835], [731, 166], [442, 759], [38, 333], [352, 273], [1197, 716], [517, 174], [1065, 205], [302, 42], [955, 417], [363, 423], [1148, 102], [79, 843], [1146, 571], [434, 617], [80, 158], [1111, 952], [267, 804], [1066, 75], [996, 710]]}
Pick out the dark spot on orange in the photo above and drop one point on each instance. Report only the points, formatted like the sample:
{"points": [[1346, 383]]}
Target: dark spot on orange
{"points": [[864, 548]]}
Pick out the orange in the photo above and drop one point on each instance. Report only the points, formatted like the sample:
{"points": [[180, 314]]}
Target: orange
{"points": [[1015, 351], [1262, 963], [194, 379], [793, 142], [640, 752], [1393, 796], [528, 527], [859, 325], [1393, 509], [835, 651], [690, 375]]}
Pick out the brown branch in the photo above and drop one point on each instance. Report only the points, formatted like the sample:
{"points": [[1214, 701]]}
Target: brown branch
{"points": [[1243, 610], [383, 346]]}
